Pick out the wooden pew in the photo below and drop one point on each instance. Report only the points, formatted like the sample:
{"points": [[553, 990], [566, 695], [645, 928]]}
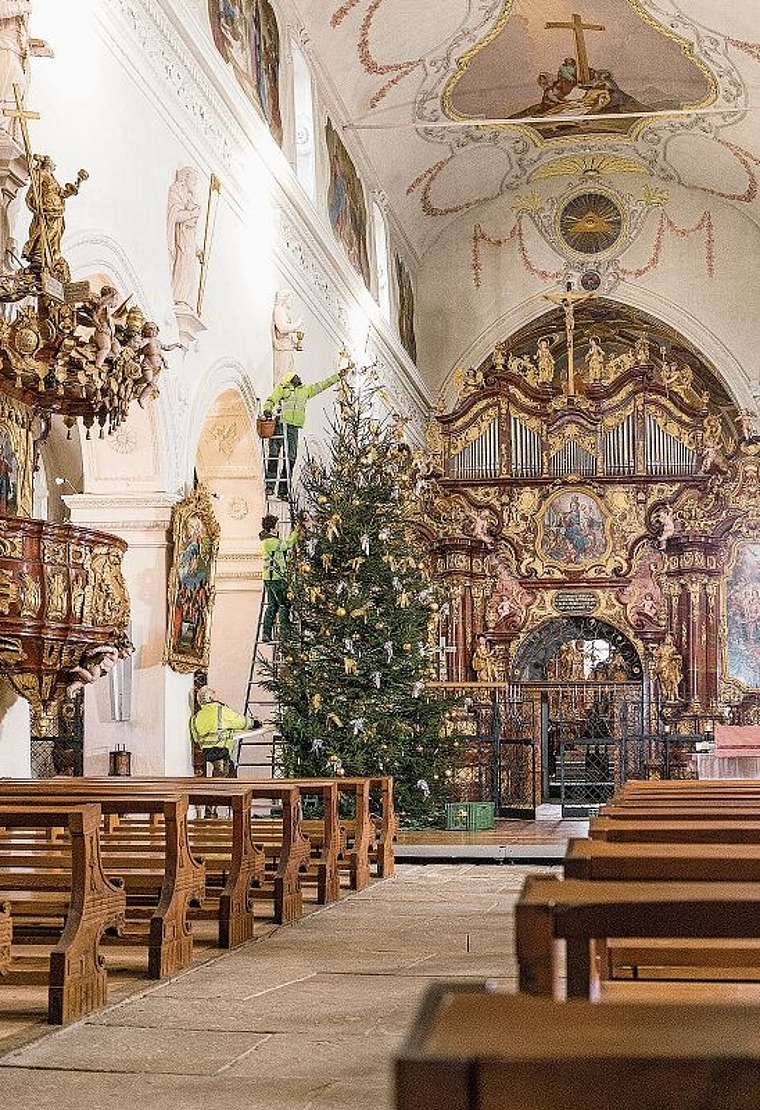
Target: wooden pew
{"points": [[712, 831], [469, 1049], [178, 876], [578, 913], [289, 855], [289, 852], [76, 892]]}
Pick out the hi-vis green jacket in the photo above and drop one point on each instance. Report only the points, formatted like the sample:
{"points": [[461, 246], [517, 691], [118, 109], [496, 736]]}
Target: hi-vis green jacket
{"points": [[215, 725], [292, 399], [274, 553]]}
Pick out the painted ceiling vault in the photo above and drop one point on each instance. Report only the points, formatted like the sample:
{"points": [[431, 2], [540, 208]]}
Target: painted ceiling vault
{"points": [[482, 100]]}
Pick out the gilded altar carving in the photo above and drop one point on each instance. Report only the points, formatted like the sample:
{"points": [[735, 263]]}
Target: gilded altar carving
{"points": [[625, 530], [30, 592], [9, 590], [57, 593], [586, 439], [483, 417], [110, 600]]}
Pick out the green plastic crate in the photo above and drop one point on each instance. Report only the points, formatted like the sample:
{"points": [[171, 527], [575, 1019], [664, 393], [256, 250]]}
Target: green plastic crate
{"points": [[470, 816]]}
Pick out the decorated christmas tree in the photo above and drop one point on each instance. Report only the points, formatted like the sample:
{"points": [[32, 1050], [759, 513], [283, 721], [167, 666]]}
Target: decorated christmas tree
{"points": [[355, 653]]}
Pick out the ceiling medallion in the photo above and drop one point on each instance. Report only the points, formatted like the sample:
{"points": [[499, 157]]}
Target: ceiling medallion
{"points": [[590, 223]]}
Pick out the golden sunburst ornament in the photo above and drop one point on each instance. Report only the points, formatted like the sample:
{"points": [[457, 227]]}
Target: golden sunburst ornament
{"points": [[591, 223]]}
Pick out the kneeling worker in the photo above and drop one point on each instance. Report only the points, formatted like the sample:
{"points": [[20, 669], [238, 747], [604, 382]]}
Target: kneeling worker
{"points": [[214, 729]]}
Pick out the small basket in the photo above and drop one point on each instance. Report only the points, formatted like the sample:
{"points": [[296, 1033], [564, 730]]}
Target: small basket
{"points": [[265, 426]]}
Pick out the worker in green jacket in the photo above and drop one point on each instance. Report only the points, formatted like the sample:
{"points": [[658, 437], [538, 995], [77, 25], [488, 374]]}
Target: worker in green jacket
{"points": [[214, 729], [288, 402], [274, 553]]}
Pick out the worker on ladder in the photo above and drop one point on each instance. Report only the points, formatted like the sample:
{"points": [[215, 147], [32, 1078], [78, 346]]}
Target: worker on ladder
{"points": [[215, 727], [288, 400], [274, 552]]}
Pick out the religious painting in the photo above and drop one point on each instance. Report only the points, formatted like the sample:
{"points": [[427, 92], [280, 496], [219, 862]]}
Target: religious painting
{"points": [[743, 616], [573, 530], [345, 203], [246, 35], [191, 591], [405, 309], [569, 61]]}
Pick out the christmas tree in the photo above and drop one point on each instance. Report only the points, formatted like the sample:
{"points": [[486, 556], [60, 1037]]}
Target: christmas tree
{"points": [[355, 656]]}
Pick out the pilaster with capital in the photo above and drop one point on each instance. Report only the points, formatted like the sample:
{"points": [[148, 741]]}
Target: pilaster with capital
{"points": [[156, 733]]}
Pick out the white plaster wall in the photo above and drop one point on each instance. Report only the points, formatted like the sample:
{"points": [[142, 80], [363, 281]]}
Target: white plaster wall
{"points": [[719, 314], [15, 743], [137, 89]]}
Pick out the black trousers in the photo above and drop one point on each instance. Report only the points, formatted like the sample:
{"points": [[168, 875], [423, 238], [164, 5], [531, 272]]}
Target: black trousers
{"points": [[285, 435]]}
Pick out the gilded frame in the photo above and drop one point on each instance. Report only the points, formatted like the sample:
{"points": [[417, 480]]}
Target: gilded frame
{"points": [[191, 587], [595, 557]]}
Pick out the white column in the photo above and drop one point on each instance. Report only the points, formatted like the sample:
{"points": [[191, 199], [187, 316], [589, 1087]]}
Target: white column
{"points": [[157, 733], [15, 734]]}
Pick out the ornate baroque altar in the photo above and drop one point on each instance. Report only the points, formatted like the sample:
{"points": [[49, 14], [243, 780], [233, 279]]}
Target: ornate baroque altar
{"points": [[591, 506]]}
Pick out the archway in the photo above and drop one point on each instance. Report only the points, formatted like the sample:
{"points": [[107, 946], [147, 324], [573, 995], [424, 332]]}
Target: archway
{"points": [[582, 678]]}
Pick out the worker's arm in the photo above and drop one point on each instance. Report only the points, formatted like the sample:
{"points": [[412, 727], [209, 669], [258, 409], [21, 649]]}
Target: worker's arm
{"points": [[288, 543], [319, 387], [232, 720], [274, 398]]}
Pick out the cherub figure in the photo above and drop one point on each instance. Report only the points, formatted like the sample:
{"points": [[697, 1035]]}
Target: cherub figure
{"points": [[480, 528], [103, 338], [94, 663], [151, 358], [667, 524]]}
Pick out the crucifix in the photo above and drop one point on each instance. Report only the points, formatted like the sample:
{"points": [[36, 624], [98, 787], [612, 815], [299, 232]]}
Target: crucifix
{"points": [[577, 26], [567, 301], [23, 116]]}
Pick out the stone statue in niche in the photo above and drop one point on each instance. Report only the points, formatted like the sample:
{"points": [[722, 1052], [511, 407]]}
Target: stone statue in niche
{"points": [[182, 215], [287, 336]]}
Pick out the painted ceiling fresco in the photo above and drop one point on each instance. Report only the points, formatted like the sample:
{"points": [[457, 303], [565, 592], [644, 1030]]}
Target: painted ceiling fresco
{"points": [[663, 89], [573, 59]]}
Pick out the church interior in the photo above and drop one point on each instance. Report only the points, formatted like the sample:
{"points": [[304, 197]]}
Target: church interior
{"points": [[379, 554]]}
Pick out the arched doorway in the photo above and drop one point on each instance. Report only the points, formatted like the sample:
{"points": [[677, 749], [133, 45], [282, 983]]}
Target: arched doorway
{"points": [[583, 680]]}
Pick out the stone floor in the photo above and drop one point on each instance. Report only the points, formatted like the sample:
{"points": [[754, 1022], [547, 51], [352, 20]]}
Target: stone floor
{"points": [[305, 1018]]}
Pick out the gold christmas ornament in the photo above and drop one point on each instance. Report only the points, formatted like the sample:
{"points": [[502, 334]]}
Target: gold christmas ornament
{"points": [[316, 701], [349, 664], [340, 611]]}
